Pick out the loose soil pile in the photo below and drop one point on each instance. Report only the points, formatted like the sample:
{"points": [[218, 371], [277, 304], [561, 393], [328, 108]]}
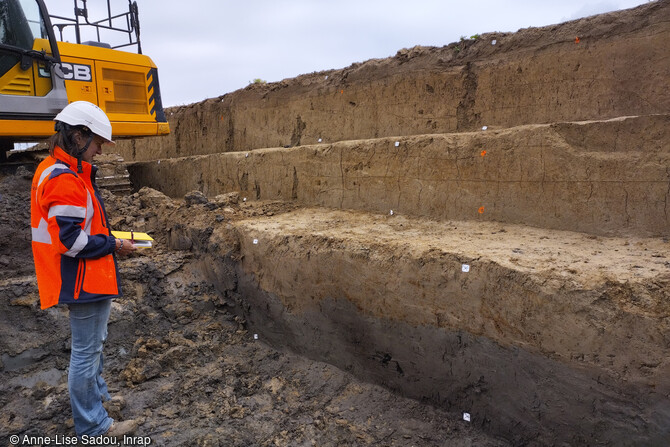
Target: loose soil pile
{"points": [[177, 352]]}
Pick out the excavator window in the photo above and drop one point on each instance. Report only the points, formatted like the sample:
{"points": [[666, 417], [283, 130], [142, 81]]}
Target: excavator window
{"points": [[14, 31], [20, 23]]}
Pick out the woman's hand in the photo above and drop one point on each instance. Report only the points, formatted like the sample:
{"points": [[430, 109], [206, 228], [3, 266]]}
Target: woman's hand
{"points": [[124, 247]]}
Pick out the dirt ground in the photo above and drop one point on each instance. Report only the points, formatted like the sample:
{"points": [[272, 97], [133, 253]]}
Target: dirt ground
{"points": [[179, 355]]}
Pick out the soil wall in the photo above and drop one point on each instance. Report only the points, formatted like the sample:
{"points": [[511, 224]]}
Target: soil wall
{"points": [[606, 177], [525, 398], [601, 67], [506, 390]]}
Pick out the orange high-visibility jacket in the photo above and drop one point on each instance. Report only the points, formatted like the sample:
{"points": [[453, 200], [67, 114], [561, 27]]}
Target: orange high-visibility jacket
{"points": [[72, 246]]}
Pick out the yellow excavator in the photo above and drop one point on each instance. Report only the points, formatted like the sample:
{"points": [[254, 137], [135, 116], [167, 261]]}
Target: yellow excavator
{"points": [[40, 74]]}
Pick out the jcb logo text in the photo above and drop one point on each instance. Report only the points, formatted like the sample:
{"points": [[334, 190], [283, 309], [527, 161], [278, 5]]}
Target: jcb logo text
{"points": [[76, 72]]}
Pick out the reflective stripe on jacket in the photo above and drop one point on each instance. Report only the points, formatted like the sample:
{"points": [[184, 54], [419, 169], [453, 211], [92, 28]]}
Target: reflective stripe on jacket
{"points": [[72, 246]]}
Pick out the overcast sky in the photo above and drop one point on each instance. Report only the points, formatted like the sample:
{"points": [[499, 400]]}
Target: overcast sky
{"points": [[206, 48]]}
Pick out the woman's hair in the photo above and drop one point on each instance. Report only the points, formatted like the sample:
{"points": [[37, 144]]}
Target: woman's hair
{"points": [[64, 138]]}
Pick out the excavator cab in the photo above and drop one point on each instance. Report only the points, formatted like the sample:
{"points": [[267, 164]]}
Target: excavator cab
{"points": [[40, 73], [29, 85]]}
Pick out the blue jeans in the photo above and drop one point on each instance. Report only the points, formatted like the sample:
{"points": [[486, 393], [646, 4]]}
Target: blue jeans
{"points": [[88, 324]]}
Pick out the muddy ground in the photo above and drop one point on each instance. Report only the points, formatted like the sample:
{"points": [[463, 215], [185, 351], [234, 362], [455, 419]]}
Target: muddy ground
{"points": [[178, 352]]}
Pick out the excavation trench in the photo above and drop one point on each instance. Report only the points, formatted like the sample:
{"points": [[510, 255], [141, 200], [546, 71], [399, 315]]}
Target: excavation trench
{"points": [[541, 335], [517, 275], [524, 329]]}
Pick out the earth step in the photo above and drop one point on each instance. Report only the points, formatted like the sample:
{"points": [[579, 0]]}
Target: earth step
{"points": [[448, 308], [599, 177]]}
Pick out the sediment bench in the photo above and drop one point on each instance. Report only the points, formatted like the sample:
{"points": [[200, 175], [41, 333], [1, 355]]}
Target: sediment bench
{"points": [[599, 177], [538, 334]]}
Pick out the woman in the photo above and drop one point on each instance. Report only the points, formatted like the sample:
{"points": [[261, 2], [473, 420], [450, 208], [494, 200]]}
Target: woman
{"points": [[74, 256]]}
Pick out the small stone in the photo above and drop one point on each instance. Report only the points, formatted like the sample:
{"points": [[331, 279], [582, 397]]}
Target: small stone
{"points": [[195, 197]]}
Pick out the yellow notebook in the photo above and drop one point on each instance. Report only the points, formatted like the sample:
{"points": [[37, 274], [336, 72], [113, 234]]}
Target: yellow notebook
{"points": [[139, 239]]}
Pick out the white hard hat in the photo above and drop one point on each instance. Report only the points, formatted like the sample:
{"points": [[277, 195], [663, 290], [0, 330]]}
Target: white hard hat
{"points": [[84, 113]]}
